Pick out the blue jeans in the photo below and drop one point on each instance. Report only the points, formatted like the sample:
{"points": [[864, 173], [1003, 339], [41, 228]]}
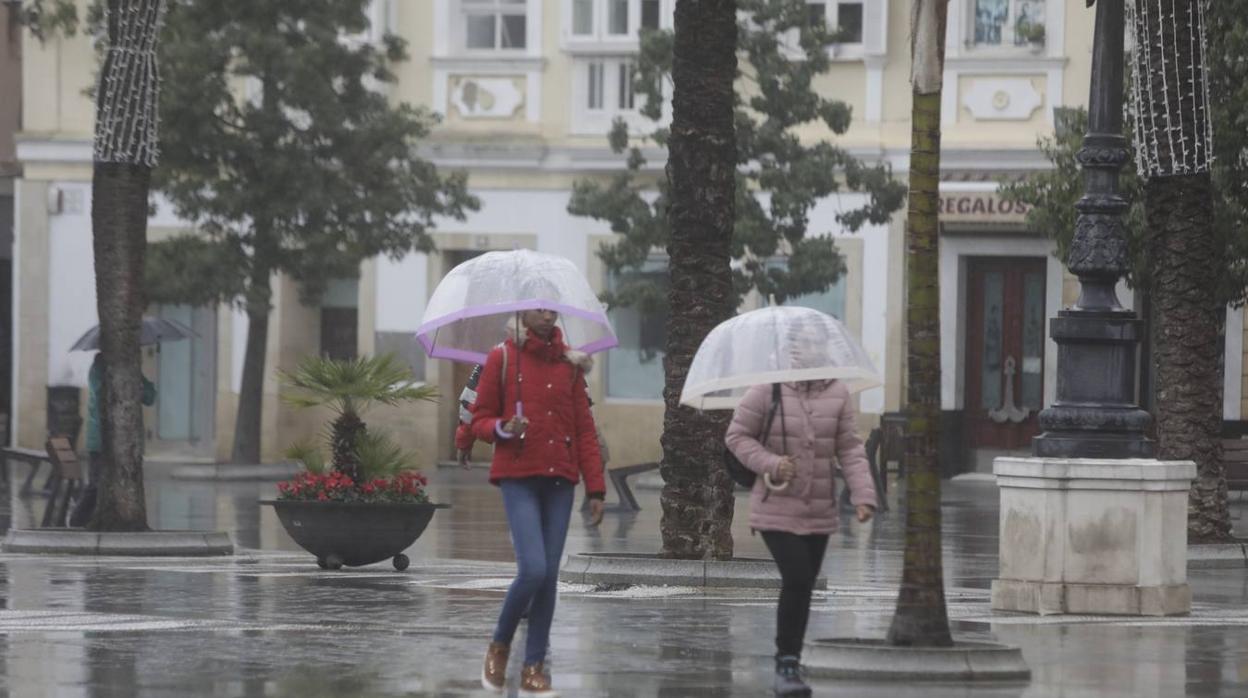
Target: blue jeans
{"points": [[538, 511]]}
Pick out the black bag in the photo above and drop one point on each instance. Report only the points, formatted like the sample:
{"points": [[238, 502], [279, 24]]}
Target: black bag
{"points": [[736, 469]]}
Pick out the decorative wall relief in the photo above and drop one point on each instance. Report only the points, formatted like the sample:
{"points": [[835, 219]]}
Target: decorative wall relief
{"points": [[486, 98], [1002, 99]]}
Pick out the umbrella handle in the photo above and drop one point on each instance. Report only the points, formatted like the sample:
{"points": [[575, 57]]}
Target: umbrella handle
{"points": [[772, 486]]}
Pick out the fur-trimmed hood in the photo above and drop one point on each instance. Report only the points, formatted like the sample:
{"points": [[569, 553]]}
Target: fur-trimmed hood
{"points": [[520, 335]]}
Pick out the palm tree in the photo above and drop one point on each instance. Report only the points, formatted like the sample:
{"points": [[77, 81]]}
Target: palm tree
{"points": [[349, 387], [702, 156], [921, 617], [1173, 134]]}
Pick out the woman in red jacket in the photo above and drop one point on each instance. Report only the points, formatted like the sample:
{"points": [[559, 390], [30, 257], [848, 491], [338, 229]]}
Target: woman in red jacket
{"points": [[540, 454]]}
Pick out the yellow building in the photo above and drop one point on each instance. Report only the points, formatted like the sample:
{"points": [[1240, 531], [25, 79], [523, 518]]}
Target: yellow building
{"points": [[528, 89]]}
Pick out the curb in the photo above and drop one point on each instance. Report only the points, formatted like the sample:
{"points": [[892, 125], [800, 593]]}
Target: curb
{"points": [[856, 658], [1217, 555], [233, 471], [140, 543], [652, 570]]}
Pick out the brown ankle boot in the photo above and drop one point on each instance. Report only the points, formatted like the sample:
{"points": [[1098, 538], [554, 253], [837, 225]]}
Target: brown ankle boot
{"points": [[534, 682], [494, 674]]}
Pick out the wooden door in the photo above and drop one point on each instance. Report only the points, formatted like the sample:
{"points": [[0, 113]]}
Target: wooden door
{"points": [[1005, 351]]}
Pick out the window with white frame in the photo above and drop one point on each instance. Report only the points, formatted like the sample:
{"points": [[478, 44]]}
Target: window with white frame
{"points": [[845, 16], [830, 301], [598, 20], [609, 85], [1007, 22], [493, 25], [635, 367]]}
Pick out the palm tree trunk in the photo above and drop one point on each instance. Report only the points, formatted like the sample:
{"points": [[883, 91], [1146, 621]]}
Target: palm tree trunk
{"points": [[125, 152], [921, 617], [1174, 134], [119, 221], [1188, 349], [697, 496]]}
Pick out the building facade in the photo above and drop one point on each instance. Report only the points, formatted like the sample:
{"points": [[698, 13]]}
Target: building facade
{"points": [[528, 90]]}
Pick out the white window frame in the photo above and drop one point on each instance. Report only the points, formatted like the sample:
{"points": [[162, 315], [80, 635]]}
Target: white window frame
{"points": [[596, 120], [1007, 45], [848, 49], [498, 8], [598, 40]]}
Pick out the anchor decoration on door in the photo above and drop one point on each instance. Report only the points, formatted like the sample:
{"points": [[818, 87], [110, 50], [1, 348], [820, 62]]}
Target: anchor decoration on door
{"points": [[1009, 411]]}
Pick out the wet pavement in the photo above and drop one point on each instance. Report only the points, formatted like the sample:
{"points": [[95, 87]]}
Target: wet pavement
{"points": [[268, 622]]}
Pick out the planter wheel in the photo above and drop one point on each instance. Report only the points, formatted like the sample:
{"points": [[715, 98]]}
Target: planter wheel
{"points": [[333, 562], [401, 562], [320, 562]]}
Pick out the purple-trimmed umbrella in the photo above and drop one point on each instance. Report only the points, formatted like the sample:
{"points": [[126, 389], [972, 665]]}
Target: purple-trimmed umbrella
{"points": [[468, 312]]}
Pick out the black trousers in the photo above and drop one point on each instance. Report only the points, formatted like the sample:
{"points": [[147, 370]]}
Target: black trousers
{"points": [[799, 559]]}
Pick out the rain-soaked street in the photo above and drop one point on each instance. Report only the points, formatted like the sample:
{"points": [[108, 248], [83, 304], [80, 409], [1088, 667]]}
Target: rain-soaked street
{"points": [[269, 622]]}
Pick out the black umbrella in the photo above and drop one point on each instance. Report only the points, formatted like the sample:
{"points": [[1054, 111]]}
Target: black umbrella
{"points": [[155, 330]]}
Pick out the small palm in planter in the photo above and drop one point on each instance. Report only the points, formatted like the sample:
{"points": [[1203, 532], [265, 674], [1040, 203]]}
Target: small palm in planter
{"points": [[369, 502]]}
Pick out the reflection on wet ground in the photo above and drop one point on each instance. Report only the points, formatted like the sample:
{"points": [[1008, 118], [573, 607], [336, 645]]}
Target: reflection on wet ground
{"points": [[268, 622]]}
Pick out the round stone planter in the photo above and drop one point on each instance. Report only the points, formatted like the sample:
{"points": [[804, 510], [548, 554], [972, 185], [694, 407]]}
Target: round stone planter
{"points": [[856, 658], [352, 533]]}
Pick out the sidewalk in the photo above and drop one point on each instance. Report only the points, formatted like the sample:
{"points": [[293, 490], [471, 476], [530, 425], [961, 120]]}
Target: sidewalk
{"points": [[268, 622]]}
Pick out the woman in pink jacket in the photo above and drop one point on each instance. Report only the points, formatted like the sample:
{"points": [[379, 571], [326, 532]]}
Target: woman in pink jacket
{"points": [[813, 425]]}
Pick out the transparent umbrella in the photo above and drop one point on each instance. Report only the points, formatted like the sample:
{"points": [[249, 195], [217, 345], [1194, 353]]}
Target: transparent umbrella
{"points": [[777, 344], [468, 311]]}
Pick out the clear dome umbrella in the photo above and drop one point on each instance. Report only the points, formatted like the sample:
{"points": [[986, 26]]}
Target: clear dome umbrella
{"points": [[777, 344], [467, 314]]}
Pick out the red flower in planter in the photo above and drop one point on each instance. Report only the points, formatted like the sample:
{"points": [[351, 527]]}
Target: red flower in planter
{"points": [[405, 487]]}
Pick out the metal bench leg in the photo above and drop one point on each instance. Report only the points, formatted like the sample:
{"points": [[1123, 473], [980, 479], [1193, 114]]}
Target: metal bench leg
{"points": [[620, 481]]}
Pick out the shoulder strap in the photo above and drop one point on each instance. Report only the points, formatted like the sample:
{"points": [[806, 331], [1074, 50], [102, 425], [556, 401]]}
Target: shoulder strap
{"points": [[502, 379]]}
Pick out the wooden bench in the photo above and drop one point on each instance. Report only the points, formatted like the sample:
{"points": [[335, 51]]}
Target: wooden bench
{"points": [[34, 458], [1235, 464], [67, 474]]}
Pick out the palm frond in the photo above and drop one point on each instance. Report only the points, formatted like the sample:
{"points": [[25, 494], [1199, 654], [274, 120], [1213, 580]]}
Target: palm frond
{"points": [[309, 455], [379, 456], [351, 386]]}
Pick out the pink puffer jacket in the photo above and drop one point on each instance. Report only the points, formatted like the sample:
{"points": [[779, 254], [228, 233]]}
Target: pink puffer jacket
{"points": [[819, 425]]}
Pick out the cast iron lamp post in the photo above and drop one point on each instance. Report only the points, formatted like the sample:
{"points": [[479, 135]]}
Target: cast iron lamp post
{"points": [[1095, 414]]}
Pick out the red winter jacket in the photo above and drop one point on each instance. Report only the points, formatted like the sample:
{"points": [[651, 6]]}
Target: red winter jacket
{"points": [[560, 440]]}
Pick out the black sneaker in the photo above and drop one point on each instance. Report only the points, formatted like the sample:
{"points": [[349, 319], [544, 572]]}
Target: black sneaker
{"points": [[789, 683]]}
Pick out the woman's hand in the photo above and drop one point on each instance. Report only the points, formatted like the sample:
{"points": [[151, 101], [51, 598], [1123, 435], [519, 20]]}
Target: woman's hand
{"points": [[865, 512], [516, 425], [786, 471], [596, 509]]}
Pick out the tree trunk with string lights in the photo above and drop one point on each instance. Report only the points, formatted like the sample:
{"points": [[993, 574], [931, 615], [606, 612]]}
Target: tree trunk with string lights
{"points": [[1173, 135], [125, 153]]}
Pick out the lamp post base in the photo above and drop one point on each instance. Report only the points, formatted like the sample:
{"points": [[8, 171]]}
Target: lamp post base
{"points": [[1090, 535]]}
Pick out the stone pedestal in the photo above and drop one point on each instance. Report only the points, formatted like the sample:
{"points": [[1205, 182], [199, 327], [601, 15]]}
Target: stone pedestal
{"points": [[1099, 536]]}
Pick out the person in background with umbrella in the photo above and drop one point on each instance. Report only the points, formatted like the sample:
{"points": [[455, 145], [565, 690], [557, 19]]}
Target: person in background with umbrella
{"points": [[153, 331], [793, 503], [532, 404], [85, 508]]}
